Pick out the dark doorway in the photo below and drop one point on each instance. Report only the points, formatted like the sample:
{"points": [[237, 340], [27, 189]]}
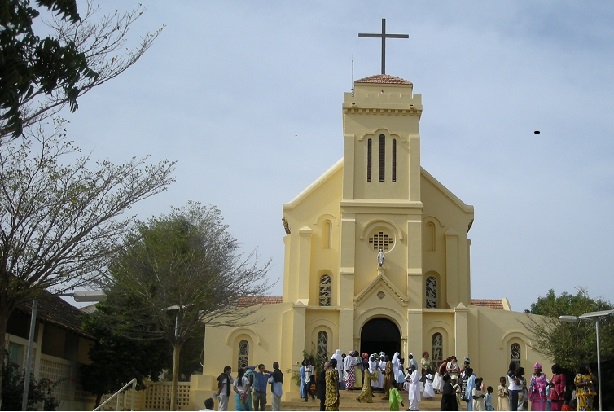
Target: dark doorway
{"points": [[380, 335]]}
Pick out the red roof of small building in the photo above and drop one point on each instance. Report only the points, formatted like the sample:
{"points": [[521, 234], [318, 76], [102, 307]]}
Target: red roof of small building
{"points": [[247, 301], [55, 310], [383, 79], [488, 303]]}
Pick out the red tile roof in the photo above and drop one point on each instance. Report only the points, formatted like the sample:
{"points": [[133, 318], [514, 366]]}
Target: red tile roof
{"points": [[247, 301], [488, 303], [55, 310], [383, 79]]}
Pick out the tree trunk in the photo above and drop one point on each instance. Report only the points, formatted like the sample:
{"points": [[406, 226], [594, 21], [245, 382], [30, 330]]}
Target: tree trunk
{"points": [[4, 320], [176, 352]]}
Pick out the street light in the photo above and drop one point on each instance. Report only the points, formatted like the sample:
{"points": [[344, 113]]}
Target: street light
{"points": [[79, 296], [595, 317]]}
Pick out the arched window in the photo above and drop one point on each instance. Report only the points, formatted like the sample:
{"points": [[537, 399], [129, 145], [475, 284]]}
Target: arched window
{"points": [[394, 160], [243, 354], [430, 237], [325, 290], [437, 349], [369, 153], [431, 292], [382, 157], [322, 345], [515, 354], [326, 234]]}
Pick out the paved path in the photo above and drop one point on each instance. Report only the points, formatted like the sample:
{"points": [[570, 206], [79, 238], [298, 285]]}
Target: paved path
{"points": [[349, 403]]}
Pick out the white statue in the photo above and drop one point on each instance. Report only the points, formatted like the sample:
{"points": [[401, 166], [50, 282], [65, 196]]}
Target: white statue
{"points": [[380, 258]]}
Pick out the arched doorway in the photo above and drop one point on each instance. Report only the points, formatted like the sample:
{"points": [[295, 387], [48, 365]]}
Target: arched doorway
{"points": [[380, 335]]}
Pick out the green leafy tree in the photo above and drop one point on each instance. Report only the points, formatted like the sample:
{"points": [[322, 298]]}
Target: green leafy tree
{"points": [[570, 344], [41, 76], [59, 218], [184, 270], [116, 359]]}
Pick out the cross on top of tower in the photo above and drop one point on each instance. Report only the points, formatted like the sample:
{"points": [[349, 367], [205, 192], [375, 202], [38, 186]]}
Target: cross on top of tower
{"points": [[384, 35]]}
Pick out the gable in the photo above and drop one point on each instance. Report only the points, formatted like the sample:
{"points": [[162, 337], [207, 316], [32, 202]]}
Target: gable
{"points": [[380, 284]]}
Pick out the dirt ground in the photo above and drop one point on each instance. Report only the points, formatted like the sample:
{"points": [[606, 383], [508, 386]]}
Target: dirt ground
{"points": [[349, 403]]}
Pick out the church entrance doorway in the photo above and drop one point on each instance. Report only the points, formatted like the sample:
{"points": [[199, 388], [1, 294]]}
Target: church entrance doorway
{"points": [[380, 335]]}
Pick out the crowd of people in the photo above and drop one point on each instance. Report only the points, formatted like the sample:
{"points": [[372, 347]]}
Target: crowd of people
{"points": [[249, 388], [459, 386]]}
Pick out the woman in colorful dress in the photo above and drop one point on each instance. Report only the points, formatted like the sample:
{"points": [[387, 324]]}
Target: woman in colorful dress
{"points": [[557, 388], [366, 395], [332, 387], [349, 365], [585, 391], [389, 380], [537, 389], [241, 388]]}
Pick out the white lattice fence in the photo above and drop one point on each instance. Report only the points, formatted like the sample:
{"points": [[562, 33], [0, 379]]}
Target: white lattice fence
{"points": [[158, 396], [59, 372]]}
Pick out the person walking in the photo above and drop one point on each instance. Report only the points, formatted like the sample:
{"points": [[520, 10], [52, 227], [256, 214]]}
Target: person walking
{"points": [[261, 377], [366, 394], [413, 380], [223, 389], [321, 385], [448, 395], [276, 380], [332, 387]]}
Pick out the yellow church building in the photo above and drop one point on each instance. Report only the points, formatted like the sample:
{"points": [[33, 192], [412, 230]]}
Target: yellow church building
{"points": [[377, 258]]}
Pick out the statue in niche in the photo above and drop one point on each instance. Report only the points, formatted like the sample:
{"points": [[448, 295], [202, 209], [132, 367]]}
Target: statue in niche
{"points": [[380, 258]]}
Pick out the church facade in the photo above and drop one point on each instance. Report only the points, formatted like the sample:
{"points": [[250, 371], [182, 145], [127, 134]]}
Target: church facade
{"points": [[377, 258]]}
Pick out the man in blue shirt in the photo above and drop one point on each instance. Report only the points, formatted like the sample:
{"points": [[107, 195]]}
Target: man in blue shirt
{"points": [[261, 378]]}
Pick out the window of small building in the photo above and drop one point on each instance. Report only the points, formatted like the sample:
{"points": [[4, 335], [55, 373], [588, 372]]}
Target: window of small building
{"points": [[515, 354], [243, 354], [325, 290]]}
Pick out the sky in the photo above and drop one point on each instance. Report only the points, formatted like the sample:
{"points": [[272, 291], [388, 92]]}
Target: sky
{"points": [[246, 96]]}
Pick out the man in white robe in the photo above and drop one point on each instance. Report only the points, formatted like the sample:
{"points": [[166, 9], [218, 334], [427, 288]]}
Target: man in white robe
{"points": [[413, 379]]}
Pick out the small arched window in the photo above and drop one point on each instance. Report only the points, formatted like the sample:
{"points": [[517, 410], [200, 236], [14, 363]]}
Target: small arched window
{"points": [[326, 234], [325, 290], [515, 354], [394, 160], [322, 345], [437, 348], [382, 157], [243, 354], [369, 154], [431, 292], [430, 237]]}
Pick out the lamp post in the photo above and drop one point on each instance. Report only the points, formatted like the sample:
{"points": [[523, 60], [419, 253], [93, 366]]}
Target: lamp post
{"points": [[79, 296], [595, 317]]}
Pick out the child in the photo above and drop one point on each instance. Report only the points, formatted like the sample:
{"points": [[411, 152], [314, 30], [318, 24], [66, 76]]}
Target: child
{"points": [[478, 396], [488, 399], [503, 396], [428, 386]]}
